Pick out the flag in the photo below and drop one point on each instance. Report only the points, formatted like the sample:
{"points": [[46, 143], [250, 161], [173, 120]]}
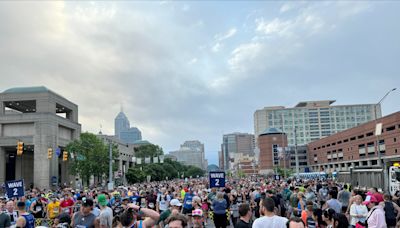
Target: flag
{"points": [[134, 159], [139, 161], [161, 158], [155, 160], [72, 155], [147, 160]]}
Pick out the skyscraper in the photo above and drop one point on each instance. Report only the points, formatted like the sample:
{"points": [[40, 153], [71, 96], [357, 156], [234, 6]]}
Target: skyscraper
{"points": [[236, 145], [124, 132], [313, 119], [191, 153], [121, 123]]}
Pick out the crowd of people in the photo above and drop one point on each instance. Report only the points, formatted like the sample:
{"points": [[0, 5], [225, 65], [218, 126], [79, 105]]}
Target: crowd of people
{"points": [[242, 203]]}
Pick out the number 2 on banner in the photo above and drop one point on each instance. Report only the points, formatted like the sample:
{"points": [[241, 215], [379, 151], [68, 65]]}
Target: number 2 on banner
{"points": [[216, 182], [15, 190]]}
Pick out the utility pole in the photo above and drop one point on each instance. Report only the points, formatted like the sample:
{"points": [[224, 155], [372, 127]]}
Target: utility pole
{"points": [[295, 152], [378, 132], [110, 178]]}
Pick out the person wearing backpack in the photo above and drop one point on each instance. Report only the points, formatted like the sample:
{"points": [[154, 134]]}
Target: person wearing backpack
{"points": [[392, 211]]}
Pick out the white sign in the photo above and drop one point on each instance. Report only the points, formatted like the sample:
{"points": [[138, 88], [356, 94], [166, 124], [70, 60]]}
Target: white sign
{"points": [[378, 129]]}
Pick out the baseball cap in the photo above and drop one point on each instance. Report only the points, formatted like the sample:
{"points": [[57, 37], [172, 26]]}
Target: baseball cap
{"points": [[87, 202], [175, 202], [102, 200], [370, 199], [197, 212]]}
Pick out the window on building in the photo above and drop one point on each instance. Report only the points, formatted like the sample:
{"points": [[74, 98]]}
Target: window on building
{"points": [[395, 151], [369, 134], [346, 140], [374, 162], [360, 136], [322, 147], [352, 138], [365, 163], [394, 139], [391, 128], [339, 142], [328, 145]]}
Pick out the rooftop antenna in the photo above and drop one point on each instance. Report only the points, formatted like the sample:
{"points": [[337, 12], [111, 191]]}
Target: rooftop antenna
{"points": [[122, 108], [100, 133]]}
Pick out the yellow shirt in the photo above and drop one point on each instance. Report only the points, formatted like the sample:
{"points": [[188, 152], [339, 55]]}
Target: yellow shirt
{"points": [[53, 209]]}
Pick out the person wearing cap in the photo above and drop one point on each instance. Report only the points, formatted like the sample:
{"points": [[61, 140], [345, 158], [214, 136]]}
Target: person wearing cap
{"points": [[25, 220], [53, 208], [198, 218], [85, 217], [175, 205], [106, 214], [376, 215], [67, 203]]}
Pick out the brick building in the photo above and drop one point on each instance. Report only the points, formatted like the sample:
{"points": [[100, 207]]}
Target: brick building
{"points": [[269, 143], [357, 146]]}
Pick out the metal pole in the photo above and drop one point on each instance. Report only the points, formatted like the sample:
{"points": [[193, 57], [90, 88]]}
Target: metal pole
{"points": [[295, 152], [110, 179]]}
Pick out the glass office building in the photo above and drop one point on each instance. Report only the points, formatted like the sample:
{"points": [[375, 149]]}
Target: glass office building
{"points": [[313, 120]]}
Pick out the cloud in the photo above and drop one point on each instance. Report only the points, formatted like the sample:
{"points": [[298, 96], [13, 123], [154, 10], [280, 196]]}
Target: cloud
{"points": [[216, 47], [192, 61], [230, 33]]}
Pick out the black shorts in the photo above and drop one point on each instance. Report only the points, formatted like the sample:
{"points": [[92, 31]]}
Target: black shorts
{"points": [[186, 211]]}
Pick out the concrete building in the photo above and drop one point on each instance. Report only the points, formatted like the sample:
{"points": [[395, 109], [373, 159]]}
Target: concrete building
{"points": [[357, 147], [269, 143], [191, 153], [126, 152], [235, 146], [41, 119], [123, 130], [313, 119]]}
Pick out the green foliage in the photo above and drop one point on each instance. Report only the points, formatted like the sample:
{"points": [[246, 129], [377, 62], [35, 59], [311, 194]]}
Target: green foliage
{"points": [[91, 156], [281, 172], [150, 150], [158, 172], [241, 174]]}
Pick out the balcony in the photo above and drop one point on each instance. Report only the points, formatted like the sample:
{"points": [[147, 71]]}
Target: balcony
{"points": [[382, 147], [340, 155], [315, 159], [334, 155], [329, 156], [361, 151]]}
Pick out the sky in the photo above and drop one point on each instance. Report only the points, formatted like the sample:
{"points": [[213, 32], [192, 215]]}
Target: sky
{"points": [[196, 70]]}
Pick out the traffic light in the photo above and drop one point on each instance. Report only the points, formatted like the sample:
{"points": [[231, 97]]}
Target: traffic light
{"points": [[49, 153], [20, 148], [65, 156]]}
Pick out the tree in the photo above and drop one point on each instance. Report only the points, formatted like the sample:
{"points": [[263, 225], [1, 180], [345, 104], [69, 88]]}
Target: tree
{"points": [[91, 157], [135, 175], [194, 171], [149, 150]]}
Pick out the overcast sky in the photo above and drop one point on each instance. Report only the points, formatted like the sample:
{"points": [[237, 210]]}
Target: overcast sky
{"points": [[196, 70]]}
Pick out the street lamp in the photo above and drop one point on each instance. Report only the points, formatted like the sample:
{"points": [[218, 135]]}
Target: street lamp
{"points": [[378, 132], [376, 126]]}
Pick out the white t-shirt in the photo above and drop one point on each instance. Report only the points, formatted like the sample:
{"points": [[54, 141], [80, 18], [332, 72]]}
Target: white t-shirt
{"points": [[274, 221]]}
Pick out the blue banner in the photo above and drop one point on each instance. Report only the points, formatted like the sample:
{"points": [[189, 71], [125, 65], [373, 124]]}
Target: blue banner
{"points": [[15, 188], [217, 179]]}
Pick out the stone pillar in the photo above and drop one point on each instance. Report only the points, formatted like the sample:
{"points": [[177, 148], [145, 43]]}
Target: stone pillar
{"points": [[44, 168], [2, 165]]}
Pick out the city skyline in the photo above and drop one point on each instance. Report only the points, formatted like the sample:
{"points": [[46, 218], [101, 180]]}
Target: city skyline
{"points": [[182, 70]]}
